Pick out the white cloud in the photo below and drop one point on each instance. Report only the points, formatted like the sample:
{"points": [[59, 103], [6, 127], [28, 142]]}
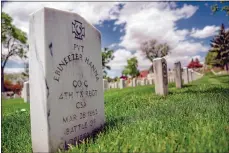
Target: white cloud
{"points": [[186, 48], [139, 21], [145, 21], [112, 45], [14, 70], [183, 59], [94, 12], [155, 21], [207, 31]]}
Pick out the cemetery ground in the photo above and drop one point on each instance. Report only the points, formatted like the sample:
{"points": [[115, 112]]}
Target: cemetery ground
{"points": [[192, 119]]}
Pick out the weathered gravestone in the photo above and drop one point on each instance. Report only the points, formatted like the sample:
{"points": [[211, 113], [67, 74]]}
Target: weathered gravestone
{"points": [[138, 82], [178, 74], [190, 75], [105, 84], [150, 81], [121, 83], [144, 81], [161, 76], [186, 75], [22, 92], [16, 96], [193, 75], [26, 92], [134, 82], [116, 84], [66, 84]]}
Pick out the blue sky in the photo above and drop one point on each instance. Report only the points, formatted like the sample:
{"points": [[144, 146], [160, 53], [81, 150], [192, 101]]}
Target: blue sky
{"points": [[187, 27]]}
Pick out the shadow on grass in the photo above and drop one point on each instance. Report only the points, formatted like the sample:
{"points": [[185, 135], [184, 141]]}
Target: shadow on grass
{"points": [[215, 90], [219, 76], [188, 85]]}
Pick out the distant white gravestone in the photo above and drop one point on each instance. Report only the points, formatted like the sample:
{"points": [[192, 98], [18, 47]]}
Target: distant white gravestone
{"points": [[26, 92], [186, 75], [66, 84], [161, 76], [178, 74], [105, 84]]}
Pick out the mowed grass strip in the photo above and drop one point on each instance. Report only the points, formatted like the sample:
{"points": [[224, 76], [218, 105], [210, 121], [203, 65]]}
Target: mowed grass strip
{"points": [[192, 119]]}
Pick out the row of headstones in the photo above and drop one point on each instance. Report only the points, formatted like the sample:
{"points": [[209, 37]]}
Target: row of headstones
{"points": [[161, 77], [125, 83], [176, 76]]}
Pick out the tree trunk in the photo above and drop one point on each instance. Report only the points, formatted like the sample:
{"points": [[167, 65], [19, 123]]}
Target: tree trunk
{"points": [[2, 79]]}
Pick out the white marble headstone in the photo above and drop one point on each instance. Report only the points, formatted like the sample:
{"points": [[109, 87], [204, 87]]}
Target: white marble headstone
{"points": [[178, 74], [134, 82], [105, 84], [26, 92], [121, 83], [66, 84], [161, 76]]}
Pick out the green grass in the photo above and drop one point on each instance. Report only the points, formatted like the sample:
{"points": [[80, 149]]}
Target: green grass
{"points": [[192, 119]]}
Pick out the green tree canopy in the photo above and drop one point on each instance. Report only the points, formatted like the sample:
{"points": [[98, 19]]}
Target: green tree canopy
{"points": [[107, 56], [14, 42], [220, 46], [216, 8], [211, 59], [153, 50], [131, 68]]}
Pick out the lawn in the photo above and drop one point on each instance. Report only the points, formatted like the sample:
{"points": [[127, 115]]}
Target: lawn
{"points": [[192, 119]]}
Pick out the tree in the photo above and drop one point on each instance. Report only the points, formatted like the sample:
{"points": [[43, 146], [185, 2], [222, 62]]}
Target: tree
{"points": [[13, 43], [8, 85], [153, 50], [108, 78], [195, 64], [220, 46], [215, 8], [107, 56], [131, 68], [211, 59], [116, 79]]}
